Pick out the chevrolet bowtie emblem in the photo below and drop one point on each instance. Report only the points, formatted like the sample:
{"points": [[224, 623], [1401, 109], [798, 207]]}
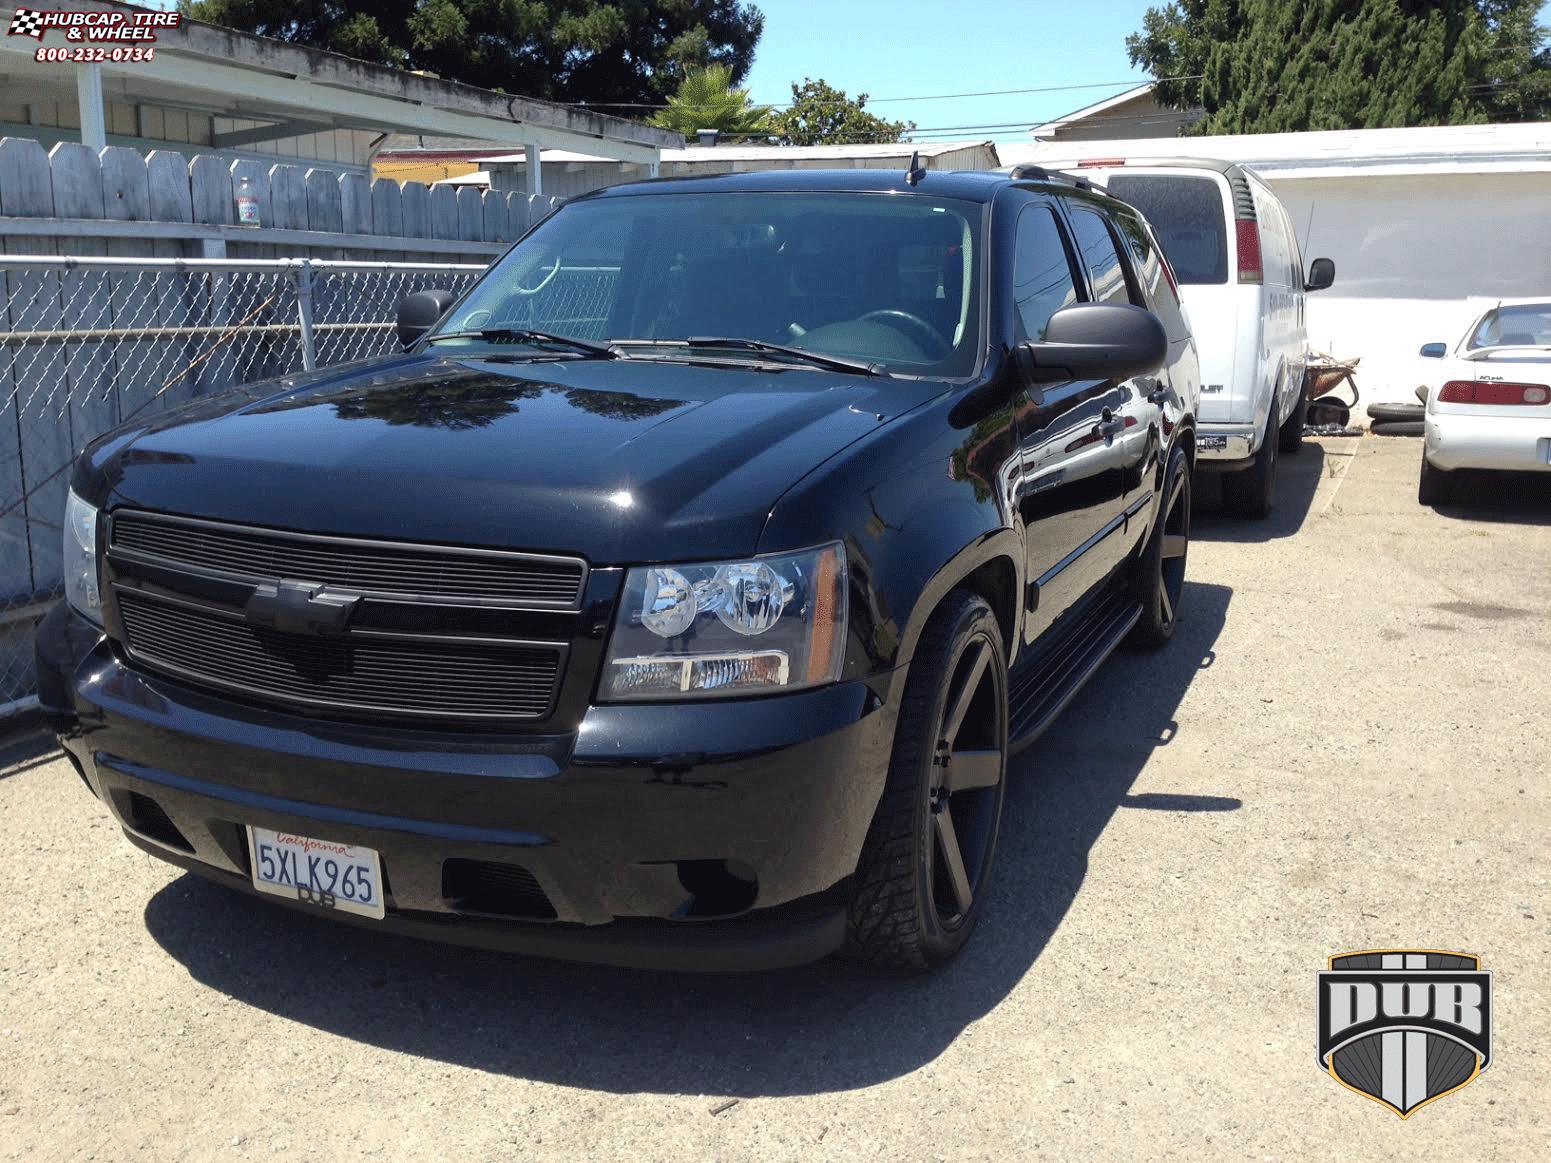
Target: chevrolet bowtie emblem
{"points": [[294, 607]]}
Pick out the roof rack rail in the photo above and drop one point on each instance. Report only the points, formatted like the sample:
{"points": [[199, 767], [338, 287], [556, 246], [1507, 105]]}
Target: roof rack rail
{"points": [[1041, 174]]}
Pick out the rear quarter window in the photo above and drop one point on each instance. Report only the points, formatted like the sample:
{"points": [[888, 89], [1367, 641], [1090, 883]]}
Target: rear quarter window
{"points": [[1186, 212]]}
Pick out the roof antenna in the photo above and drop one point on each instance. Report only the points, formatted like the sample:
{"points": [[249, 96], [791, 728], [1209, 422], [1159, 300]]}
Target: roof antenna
{"points": [[915, 171]]}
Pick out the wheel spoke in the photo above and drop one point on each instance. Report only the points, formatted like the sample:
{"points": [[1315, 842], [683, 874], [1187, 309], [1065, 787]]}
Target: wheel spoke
{"points": [[959, 701], [952, 859], [1175, 544], [1165, 603], [968, 770]]}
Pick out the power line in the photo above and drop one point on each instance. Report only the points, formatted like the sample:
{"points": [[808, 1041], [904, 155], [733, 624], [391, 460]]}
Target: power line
{"points": [[1131, 84]]}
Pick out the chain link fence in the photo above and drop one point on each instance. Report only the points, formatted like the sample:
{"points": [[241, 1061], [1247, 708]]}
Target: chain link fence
{"points": [[91, 343]]}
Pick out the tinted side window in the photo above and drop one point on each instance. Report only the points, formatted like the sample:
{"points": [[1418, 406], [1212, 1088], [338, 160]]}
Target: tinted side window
{"points": [[1042, 273], [1188, 214], [1148, 264], [1100, 256]]}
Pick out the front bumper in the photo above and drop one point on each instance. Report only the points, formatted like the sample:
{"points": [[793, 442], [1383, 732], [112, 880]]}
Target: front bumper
{"points": [[1506, 443], [1224, 446], [641, 831]]}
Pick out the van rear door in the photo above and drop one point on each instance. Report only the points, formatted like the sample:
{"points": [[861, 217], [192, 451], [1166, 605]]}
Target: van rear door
{"points": [[1191, 212]]}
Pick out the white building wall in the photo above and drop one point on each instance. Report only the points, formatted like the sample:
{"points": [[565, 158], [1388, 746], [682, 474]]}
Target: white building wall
{"points": [[1415, 255]]}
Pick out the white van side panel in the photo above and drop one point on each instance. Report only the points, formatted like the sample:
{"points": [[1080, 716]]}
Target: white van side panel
{"points": [[1250, 336]]}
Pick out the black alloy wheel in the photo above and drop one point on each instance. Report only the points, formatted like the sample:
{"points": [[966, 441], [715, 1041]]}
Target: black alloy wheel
{"points": [[925, 866], [1161, 567]]}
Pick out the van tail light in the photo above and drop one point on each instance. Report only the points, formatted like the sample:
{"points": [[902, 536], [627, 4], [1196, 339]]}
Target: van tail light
{"points": [[1247, 231], [1100, 163], [1489, 392]]}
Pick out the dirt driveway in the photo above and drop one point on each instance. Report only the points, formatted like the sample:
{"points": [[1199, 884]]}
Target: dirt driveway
{"points": [[1346, 748]]}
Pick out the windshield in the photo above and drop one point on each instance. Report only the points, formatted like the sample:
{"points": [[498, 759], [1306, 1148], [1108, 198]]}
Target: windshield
{"points": [[1520, 325], [886, 279], [1187, 215]]}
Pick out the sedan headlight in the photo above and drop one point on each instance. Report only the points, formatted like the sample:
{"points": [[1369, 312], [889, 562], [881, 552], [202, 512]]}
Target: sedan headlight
{"points": [[82, 590], [758, 626]]}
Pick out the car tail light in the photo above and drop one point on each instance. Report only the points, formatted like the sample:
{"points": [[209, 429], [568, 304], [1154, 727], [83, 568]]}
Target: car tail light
{"points": [[1247, 231], [1489, 392], [1100, 163]]}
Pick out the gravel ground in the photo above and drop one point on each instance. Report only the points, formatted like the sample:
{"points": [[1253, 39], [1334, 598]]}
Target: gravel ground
{"points": [[1345, 748]]}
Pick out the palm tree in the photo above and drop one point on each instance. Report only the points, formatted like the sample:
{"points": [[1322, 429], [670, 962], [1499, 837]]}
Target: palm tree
{"points": [[707, 99]]}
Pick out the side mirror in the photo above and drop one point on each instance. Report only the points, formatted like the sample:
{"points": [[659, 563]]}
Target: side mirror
{"points": [[1096, 341], [1434, 350], [419, 312], [1322, 272]]}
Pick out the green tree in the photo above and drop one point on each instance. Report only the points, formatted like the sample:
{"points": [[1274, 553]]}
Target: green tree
{"points": [[708, 99], [1266, 66], [610, 53], [823, 115]]}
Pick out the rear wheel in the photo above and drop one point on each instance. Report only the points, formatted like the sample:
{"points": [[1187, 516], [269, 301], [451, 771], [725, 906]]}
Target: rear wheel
{"points": [[920, 883], [1160, 571], [1436, 486], [1250, 492]]}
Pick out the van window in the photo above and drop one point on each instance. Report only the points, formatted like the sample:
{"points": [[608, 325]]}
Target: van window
{"points": [[1187, 214], [1041, 272], [1100, 255]]}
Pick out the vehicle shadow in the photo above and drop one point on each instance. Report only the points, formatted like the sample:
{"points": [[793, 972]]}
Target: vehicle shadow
{"points": [[26, 748], [1507, 498], [821, 1028], [1296, 481]]}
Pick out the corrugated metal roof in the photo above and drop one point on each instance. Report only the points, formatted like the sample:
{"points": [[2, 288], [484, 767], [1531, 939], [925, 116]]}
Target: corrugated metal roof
{"points": [[754, 153], [1452, 148]]}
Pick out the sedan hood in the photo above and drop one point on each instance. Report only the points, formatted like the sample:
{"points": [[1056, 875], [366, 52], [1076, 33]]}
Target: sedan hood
{"points": [[620, 461]]}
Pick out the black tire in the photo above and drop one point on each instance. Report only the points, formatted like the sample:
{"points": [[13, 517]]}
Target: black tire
{"points": [[1160, 570], [908, 904], [1290, 435], [1399, 428], [1436, 486], [1385, 413], [1250, 492]]}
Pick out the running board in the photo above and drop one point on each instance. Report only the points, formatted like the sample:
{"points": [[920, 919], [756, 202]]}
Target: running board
{"points": [[1040, 689]]}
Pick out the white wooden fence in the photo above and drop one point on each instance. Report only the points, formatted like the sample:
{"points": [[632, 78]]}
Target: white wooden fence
{"points": [[117, 201]]}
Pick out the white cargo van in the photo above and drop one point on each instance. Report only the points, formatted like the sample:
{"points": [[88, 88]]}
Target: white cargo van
{"points": [[1235, 253]]}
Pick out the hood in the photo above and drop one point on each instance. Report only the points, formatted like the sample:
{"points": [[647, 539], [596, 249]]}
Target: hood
{"points": [[620, 461]]}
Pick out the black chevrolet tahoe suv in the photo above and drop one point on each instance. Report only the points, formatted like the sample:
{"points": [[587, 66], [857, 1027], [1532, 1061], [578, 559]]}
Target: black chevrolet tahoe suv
{"points": [[675, 598]]}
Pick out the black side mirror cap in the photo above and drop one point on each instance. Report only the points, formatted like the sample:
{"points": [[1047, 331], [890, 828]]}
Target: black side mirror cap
{"points": [[1095, 341], [418, 313], [1322, 272], [1434, 350]]}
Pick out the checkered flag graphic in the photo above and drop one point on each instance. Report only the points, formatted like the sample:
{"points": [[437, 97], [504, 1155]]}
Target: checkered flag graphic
{"points": [[27, 22]]}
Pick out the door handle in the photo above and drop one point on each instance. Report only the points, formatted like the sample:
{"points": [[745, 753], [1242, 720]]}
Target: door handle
{"points": [[1110, 425], [1158, 395]]}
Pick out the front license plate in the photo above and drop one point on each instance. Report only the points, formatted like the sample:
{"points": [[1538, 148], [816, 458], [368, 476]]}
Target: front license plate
{"points": [[318, 872], [1214, 442]]}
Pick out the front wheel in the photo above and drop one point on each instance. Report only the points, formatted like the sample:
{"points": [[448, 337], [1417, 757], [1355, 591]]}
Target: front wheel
{"points": [[1250, 492], [1160, 571], [920, 884]]}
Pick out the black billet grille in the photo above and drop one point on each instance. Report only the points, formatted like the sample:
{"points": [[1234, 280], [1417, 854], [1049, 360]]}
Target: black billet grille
{"points": [[368, 567], [400, 675]]}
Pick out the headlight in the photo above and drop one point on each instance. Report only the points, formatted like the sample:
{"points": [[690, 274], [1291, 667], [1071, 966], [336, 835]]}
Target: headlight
{"points": [[81, 587], [767, 624]]}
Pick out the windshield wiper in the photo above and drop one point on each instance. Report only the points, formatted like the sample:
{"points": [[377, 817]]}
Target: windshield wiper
{"points": [[528, 335], [831, 362]]}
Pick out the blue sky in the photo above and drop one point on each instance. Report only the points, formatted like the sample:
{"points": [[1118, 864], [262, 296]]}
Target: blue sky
{"points": [[916, 48], [913, 48]]}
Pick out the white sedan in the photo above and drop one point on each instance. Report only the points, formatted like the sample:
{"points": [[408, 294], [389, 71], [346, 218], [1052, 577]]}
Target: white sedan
{"points": [[1490, 405]]}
